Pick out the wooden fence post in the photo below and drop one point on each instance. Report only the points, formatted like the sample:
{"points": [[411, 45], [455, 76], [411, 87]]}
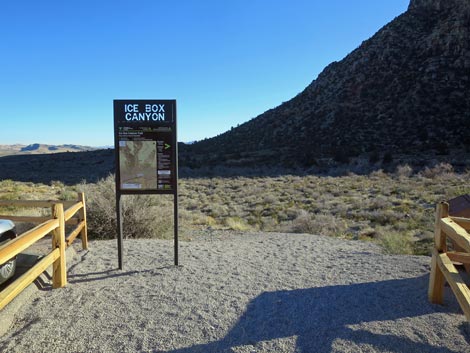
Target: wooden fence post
{"points": [[442, 211], [82, 215], [59, 272], [436, 279]]}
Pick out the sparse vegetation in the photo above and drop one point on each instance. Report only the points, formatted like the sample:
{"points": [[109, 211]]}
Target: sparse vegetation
{"points": [[144, 216], [393, 209]]}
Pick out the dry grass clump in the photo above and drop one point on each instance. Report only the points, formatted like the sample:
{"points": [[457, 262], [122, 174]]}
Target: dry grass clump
{"points": [[317, 224], [397, 243]]}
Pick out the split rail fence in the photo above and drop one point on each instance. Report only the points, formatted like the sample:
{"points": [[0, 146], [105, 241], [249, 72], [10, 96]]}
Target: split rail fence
{"points": [[74, 215], [450, 230]]}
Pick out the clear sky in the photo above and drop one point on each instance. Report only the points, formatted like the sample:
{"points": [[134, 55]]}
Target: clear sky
{"points": [[225, 61]]}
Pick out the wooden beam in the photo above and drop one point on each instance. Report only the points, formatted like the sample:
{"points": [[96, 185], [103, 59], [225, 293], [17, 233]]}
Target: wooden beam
{"points": [[82, 215], [10, 292], [35, 203], [59, 269], [461, 257], [75, 233], [460, 289], [436, 281], [28, 203], [463, 222], [25, 240], [25, 218], [456, 233], [442, 211], [72, 210]]}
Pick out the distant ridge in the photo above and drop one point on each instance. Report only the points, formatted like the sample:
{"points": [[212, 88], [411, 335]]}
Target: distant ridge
{"points": [[67, 167], [405, 91], [38, 148]]}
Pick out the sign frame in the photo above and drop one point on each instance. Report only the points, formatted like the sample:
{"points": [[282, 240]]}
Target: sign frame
{"points": [[156, 120]]}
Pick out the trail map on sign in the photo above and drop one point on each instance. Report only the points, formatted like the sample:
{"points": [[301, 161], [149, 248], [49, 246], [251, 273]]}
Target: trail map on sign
{"points": [[138, 164], [145, 158]]}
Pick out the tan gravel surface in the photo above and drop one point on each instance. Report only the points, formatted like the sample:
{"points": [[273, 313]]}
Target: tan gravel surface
{"points": [[252, 292]]}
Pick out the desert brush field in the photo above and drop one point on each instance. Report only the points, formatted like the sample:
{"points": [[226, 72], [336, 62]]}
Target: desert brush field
{"points": [[395, 210]]}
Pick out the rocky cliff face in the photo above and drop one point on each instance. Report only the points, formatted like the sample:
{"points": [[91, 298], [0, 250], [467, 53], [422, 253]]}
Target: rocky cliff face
{"points": [[405, 90], [436, 4]]}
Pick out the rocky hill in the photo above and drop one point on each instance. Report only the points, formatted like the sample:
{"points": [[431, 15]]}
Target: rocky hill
{"points": [[405, 91]]}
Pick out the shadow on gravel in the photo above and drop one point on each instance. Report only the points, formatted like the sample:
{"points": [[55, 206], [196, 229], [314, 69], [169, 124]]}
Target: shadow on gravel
{"points": [[102, 275], [319, 316]]}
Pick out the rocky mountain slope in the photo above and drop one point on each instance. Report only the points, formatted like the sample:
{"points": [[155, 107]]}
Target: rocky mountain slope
{"points": [[405, 91]]}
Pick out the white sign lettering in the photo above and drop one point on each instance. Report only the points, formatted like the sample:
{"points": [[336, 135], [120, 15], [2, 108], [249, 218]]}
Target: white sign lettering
{"points": [[153, 112]]}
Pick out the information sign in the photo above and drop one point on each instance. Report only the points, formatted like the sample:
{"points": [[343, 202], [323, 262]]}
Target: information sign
{"points": [[146, 153], [146, 146]]}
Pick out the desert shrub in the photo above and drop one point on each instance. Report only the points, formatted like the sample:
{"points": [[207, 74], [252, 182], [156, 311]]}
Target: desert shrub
{"points": [[404, 171], [396, 243], [269, 199], [324, 224], [269, 224], [66, 193], [438, 170], [379, 203], [236, 223], [378, 174], [57, 184], [384, 217], [144, 216], [216, 210], [368, 233]]}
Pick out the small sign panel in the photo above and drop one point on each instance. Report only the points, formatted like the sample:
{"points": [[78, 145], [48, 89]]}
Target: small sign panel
{"points": [[146, 146]]}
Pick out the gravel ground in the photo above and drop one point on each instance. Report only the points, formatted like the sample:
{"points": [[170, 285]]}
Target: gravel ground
{"points": [[251, 292]]}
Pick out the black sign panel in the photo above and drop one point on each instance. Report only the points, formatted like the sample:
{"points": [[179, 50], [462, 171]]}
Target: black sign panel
{"points": [[146, 146], [146, 151]]}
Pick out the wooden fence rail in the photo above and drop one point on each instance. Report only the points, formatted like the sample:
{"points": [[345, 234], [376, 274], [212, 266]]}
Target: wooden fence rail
{"points": [[55, 224], [452, 230]]}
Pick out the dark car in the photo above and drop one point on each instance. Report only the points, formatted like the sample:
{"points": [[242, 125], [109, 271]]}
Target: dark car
{"points": [[7, 232]]}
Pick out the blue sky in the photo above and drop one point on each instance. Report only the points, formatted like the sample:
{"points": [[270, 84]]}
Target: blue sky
{"points": [[225, 62]]}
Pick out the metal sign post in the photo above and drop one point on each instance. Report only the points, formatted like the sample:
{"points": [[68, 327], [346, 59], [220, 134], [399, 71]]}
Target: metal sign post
{"points": [[146, 155]]}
